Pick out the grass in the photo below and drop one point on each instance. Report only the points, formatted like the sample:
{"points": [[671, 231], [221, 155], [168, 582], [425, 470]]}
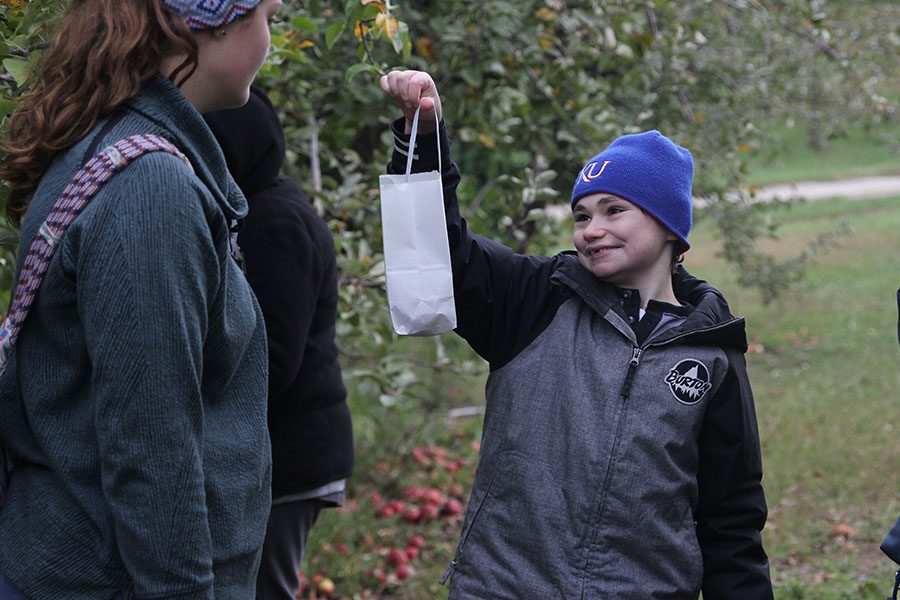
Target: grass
{"points": [[787, 157], [825, 376], [827, 386]]}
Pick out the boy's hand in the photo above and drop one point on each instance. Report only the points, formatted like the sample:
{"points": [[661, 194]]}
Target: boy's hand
{"points": [[412, 90]]}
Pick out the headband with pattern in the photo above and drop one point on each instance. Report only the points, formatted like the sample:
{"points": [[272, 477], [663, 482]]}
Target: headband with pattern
{"points": [[209, 14]]}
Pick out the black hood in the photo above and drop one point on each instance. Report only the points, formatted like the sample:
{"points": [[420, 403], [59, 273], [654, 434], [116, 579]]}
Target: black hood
{"points": [[252, 141]]}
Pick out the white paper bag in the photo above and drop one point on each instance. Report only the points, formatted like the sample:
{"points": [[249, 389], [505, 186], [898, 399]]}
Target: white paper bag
{"points": [[416, 250]]}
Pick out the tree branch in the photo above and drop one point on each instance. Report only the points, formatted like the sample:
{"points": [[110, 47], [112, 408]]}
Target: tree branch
{"points": [[25, 52], [351, 280], [314, 165]]}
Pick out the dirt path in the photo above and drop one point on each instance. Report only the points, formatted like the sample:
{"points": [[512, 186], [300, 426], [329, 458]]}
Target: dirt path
{"points": [[856, 188]]}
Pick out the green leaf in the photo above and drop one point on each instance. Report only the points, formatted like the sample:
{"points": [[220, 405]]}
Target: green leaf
{"points": [[333, 32], [353, 10], [397, 40], [8, 237], [354, 70], [406, 48], [370, 11], [304, 23], [7, 105], [18, 69]]}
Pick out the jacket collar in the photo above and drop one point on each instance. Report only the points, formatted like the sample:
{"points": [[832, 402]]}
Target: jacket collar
{"points": [[711, 321], [166, 106]]}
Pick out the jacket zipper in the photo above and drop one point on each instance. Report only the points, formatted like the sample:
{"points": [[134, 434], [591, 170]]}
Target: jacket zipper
{"points": [[450, 570], [638, 351], [633, 364]]}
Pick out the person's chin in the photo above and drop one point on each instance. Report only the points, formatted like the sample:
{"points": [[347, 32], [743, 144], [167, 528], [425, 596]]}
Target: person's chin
{"points": [[242, 98], [600, 269], [235, 100]]}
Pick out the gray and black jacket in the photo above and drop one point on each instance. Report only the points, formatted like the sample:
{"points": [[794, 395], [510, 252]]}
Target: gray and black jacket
{"points": [[610, 468]]}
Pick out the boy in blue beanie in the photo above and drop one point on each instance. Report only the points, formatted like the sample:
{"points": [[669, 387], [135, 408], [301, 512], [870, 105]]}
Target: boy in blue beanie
{"points": [[620, 456]]}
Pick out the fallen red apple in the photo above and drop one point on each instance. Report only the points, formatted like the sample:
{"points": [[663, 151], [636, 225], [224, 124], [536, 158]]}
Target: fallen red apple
{"points": [[412, 515], [412, 493], [433, 496], [430, 512], [397, 557], [452, 508], [402, 572]]}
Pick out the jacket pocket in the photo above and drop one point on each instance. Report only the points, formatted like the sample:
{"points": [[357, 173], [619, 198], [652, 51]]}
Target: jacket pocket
{"points": [[475, 506], [676, 544]]}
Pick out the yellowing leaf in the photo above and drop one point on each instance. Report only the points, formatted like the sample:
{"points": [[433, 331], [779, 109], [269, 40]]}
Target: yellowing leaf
{"points": [[425, 48], [360, 30], [545, 14], [16, 5], [305, 44], [391, 27], [545, 42], [487, 141], [699, 118], [744, 148]]}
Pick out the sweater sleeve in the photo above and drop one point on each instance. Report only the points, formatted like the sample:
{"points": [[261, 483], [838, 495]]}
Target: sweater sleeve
{"points": [[285, 271], [503, 299], [731, 511], [147, 272]]}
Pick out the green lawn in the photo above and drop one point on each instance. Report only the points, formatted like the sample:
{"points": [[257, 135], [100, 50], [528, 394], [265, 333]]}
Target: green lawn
{"points": [[827, 385], [786, 156]]}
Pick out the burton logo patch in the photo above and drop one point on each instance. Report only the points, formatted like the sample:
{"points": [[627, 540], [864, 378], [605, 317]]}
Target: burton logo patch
{"points": [[689, 381]]}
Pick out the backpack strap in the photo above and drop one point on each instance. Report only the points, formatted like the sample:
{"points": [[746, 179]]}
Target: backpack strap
{"points": [[111, 122], [75, 197]]}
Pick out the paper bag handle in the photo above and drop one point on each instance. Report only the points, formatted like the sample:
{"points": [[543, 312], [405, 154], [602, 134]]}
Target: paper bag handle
{"points": [[412, 142]]}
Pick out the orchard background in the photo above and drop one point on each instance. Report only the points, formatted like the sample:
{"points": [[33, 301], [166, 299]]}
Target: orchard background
{"points": [[531, 89]]}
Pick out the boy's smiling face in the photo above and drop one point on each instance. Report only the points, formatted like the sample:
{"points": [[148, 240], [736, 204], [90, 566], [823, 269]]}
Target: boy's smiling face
{"points": [[620, 243]]}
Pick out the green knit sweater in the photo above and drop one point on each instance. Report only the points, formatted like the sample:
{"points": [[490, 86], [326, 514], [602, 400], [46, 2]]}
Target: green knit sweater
{"points": [[137, 394]]}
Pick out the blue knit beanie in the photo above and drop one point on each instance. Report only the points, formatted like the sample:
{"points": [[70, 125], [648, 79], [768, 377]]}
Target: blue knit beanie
{"points": [[209, 14], [649, 170]]}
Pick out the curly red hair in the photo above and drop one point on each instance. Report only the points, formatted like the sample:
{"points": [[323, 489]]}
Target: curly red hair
{"points": [[104, 51]]}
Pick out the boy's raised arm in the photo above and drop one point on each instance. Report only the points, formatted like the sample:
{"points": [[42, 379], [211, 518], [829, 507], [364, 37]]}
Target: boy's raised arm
{"points": [[501, 297]]}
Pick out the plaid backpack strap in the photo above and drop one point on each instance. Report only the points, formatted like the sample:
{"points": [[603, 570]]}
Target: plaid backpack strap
{"points": [[75, 197]]}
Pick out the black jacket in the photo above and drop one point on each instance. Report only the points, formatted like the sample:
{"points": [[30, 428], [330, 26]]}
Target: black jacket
{"points": [[582, 415], [291, 266]]}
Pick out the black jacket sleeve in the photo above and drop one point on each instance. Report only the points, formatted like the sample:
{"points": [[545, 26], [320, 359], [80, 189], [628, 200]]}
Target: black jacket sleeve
{"points": [[731, 511], [503, 299]]}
